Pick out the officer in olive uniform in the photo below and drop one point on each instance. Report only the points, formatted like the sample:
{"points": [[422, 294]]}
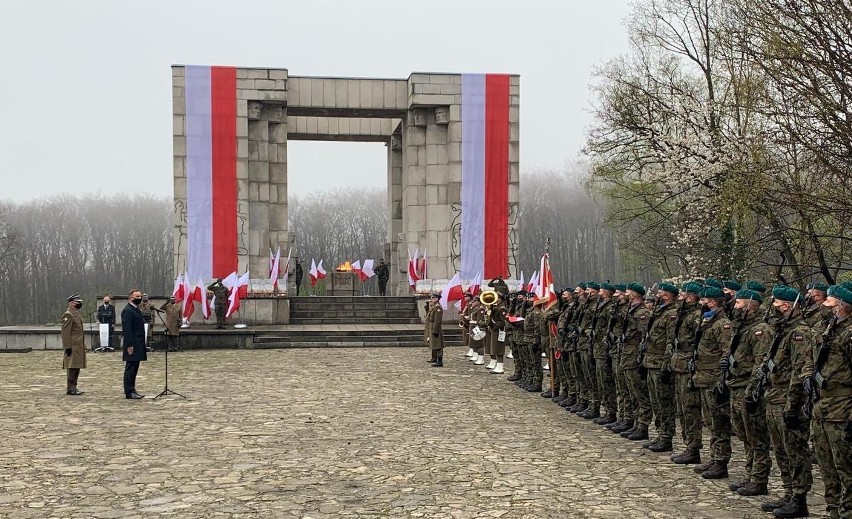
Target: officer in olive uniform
{"points": [[383, 274], [636, 325], [433, 334], [220, 305], [740, 364], [567, 394], [715, 339], [518, 309], [656, 357], [782, 391], [500, 287], [816, 315], [624, 413], [682, 344], [534, 335], [148, 317], [73, 344], [830, 376], [572, 347], [585, 354], [600, 352], [172, 320]]}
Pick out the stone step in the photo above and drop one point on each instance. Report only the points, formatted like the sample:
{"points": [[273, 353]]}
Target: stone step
{"points": [[361, 300], [352, 314], [342, 344], [365, 320]]}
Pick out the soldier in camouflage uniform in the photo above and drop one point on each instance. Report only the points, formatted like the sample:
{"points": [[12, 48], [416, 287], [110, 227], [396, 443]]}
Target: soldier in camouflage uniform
{"points": [[715, 338], [573, 347], [618, 311], [220, 303], [783, 372], [586, 353], [657, 355], [626, 402], [688, 399], [603, 370], [636, 324], [749, 423], [512, 335], [534, 334], [567, 394], [816, 315], [551, 318], [829, 374]]}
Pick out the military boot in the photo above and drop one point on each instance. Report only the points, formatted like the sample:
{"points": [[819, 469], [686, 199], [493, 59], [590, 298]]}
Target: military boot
{"points": [[687, 457], [570, 400], [614, 424], [719, 470], [641, 433], [753, 489], [736, 485], [547, 394], [605, 419], [704, 467], [578, 407], [795, 507], [771, 506], [664, 445], [559, 398], [626, 425], [648, 443], [628, 432], [593, 411]]}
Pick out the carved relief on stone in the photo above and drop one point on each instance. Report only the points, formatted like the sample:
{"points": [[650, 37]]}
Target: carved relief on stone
{"points": [[442, 115], [254, 110], [396, 143], [417, 117], [275, 113]]}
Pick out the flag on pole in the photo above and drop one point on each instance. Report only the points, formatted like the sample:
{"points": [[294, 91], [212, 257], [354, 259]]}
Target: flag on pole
{"points": [[421, 266], [475, 285], [367, 270], [313, 273], [238, 291], [452, 291], [201, 297], [191, 295], [533, 282], [521, 281], [274, 268], [320, 271], [544, 287], [177, 291], [356, 268], [412, 270], [286, 268]]}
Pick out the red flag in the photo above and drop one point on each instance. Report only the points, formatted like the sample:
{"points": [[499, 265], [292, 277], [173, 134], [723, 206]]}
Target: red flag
{"points": [[320, 271], [177, 291], [545, 280], [452, 292], [356, 268], [313, 273], [188, 305], [412, 270], [201, 296]]}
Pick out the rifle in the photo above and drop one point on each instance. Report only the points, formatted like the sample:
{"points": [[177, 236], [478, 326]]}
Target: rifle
{"points": [[643, 345], [593, 332], [721, 390], [678, 324], [624, 324], [768, 366], [817, 382], [693, 362]]}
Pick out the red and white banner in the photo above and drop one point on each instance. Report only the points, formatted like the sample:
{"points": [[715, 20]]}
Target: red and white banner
{"points": [[413, 278], [544, 285], [201, 297], [239, 291], [313, 273], [422, 267], [211, 170], [367, 270], [533, 283], [274, 267], [485, 175], [475, 285], [320, 271], [178, 290], [452, 291]]}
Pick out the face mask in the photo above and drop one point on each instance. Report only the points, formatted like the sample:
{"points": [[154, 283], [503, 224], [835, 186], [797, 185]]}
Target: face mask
{"points": [[137, 301], [78, 305], [705, 308], [106, 303]]}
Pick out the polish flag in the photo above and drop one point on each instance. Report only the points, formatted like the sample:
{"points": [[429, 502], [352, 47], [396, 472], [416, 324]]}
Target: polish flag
{"points": [[177, 291], [452, 292], [356, 268], [533, 282], [421, 266], [285, 270], [367, 271], [239, 291], [313, 273], [191, 295], [320, 271], [412, 269], [521, 281], [242, 285], [274, 267], [475, 285], [544, 286], [200, 295]]}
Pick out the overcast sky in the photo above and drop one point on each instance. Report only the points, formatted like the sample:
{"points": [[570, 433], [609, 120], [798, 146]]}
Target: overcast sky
{"points": [[85, 92]]}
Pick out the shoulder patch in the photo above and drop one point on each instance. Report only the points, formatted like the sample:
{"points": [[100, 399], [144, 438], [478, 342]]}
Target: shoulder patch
{"points": [[726, 326], [643, 317], [798, 338], [64, 319], [673, 316], [758, 333]]}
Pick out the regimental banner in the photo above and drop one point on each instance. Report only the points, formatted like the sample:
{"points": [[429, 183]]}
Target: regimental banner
{"points": [[211, 171], [485, 175]]}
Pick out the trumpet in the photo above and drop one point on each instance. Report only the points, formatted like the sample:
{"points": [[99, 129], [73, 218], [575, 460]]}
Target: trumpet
{"points": [[489, 298]]}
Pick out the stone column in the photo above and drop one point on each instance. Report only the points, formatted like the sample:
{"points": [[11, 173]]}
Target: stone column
{"points": [[514, 178], [179, 171], [258, 189], [278, 221], [395, 215]]}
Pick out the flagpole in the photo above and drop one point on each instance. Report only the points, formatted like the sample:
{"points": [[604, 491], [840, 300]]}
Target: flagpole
{"points": [[551, 357]]}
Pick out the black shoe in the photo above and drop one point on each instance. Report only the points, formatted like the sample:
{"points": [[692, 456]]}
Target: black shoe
{"points": [[546, 394], [74, 392], [770, 506], [628, 432], [736, 485], [753, 489], [704, 467], [559, 398], [579, 407], [613, 425], [534, 389], [568, 402], [639, 434], [591, 413], [134, 396], [687, 457], [661, 446], [648, 443], [625, 426], [437, 364], [719, 470], [514, 378], [795, 507]]}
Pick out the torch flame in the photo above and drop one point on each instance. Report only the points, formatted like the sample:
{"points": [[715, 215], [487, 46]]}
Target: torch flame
{"points": [[344, 267]]}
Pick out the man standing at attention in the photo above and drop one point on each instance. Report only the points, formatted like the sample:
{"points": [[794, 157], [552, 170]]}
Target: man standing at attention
{"points": [[73, 343], [133, 331], [383, 273], [106, 315]]}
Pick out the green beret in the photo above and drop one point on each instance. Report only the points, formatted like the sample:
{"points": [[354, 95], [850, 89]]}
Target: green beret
{"points": [[749, 294], [785, 293], [713, 282], [730, 284], [846, 284], [583, 285], [712, 292], [699, 281], [757, 286], [838, 291], [636, 287], [607, 286], [816, 285], [668, 287], [620, 287], [593, 285], [692, 288]]}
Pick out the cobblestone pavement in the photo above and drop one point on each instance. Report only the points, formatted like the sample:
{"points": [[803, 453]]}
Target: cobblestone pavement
{"points": [[330, 433]]}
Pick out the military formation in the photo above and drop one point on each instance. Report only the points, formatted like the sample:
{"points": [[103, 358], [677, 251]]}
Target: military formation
{"points": [[771, 368]]}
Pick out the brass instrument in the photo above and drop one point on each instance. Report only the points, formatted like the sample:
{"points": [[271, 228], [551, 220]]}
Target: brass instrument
{"points": [[489, 298]]}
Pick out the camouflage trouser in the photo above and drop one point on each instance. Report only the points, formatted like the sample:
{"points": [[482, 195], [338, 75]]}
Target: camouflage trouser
{"points": [[579, 380], [835, 463], [688, 411], [717, 417], [589, 377], [626, 403], [606, 385], [639, 392], [220, 314], [662, 404], [754, 433], [791, 452], [537, 369], [518, 358]]}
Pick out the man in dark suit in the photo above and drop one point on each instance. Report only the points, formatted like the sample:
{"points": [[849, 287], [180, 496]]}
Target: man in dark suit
{"points": [[133, 331], [106, 315]]}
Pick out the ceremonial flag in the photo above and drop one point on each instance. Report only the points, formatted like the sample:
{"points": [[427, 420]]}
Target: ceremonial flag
{"points": [[178, 292], [320, 271], [356, 268], [286, 268], [188, 301], [476, 285], [239, 291], [367, 271], [421, 266], [452, 291], [313, 273], [485, 175], [533, 282], [412, 270], [201, 297], [275, 267], [521, 281], [242, 285], [544, 287], [211, 170]]}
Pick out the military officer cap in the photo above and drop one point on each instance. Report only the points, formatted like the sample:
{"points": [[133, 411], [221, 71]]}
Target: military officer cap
{"points": [[730, 284], [593, 285], [75, 298], [713, 282], [692, 288], [816, 285], [712, 292], [749, 294], [757, 286], [840, 292], [435, 295], [785, 293], [521, 293], [668, 287], [607, 286], [636, 287]]}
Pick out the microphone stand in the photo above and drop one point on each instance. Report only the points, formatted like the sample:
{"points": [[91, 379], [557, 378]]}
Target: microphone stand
{"points": [[166, 391]]}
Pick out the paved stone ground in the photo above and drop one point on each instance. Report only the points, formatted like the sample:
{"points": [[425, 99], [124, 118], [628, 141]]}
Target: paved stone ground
{"points": [[307, 433]]}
